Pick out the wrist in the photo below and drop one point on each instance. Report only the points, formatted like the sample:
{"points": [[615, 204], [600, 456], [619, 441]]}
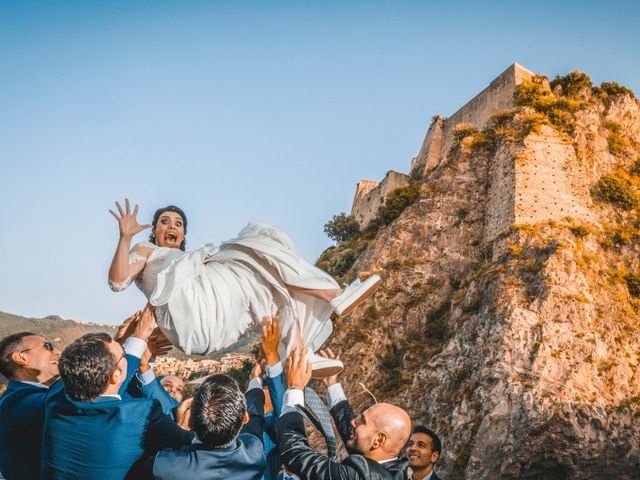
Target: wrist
{"points": [[144, 367], [272, 359]]}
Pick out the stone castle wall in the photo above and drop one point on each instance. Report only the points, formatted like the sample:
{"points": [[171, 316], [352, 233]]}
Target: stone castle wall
{"points": [[539, 181], [370, 196]]}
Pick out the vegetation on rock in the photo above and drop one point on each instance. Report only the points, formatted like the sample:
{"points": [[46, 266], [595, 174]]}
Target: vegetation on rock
{"points": [[618, 191]]}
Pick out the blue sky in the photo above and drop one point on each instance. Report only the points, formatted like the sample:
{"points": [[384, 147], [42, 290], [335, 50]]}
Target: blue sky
{"points": [[240, 110]]}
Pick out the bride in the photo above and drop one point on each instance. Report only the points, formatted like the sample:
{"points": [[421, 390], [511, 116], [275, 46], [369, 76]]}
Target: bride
{"points": [[207, 298]]}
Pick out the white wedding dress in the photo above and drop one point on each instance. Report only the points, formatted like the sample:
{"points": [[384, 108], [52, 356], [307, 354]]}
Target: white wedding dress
{"points": [[208, 298]]}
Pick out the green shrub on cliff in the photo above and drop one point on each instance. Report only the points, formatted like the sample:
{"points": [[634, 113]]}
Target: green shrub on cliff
{"points": [[611, 89], [633, 283], [572, 84], [463, 130], [618, 191], [558, 110], [342, 227], [397, 201], [616, 141]]}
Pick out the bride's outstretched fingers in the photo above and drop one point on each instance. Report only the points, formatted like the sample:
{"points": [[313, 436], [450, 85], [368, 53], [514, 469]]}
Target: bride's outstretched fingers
{"points": [[127, 220]]}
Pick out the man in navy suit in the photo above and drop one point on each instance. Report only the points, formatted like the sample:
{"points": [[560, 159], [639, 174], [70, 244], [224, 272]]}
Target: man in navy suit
{"points": [[31, 365], [90, 432], [228, 430]]}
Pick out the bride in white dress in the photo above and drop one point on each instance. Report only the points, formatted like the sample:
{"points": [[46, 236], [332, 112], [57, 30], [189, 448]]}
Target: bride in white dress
{"points": [[207, 298]]}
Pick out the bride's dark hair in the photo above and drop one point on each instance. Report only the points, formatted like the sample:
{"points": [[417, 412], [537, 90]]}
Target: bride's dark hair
{"points": [[156, 217]]}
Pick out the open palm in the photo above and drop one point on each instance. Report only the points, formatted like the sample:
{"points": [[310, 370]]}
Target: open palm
{"points": [[127, 220]]}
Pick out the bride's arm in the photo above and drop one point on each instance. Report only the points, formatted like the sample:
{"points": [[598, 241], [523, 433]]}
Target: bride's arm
{"points": [[126, 266]]}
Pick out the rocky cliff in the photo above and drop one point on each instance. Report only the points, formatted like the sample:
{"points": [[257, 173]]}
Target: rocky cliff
{"points": [[508, 319]]}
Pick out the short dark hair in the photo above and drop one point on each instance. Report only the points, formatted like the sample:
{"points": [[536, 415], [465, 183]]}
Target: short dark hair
{"points": [[86, 365], [217, 411], [436, 444], [156, 217], [8, 345]]}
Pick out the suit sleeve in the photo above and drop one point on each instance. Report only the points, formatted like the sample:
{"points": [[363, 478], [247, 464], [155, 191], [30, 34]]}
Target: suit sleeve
{"points": [[343, 414], [133, 363], [155, 391], [255, 409], [162, 432], [276, 392], [301, 459]]}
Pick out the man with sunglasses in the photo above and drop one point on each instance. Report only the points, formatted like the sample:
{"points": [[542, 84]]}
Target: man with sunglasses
{"points": [[30, 363], [91, 431]]}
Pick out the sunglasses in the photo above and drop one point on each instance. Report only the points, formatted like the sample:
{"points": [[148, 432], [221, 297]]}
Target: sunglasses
{"points": [[47, 345]]}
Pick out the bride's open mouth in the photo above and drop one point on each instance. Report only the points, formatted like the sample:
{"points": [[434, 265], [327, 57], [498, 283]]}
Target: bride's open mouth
{"points": [[171, 237]]}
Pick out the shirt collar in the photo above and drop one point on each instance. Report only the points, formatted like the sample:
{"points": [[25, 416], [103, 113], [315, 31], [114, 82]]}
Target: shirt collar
{"points": [[35, 384]]}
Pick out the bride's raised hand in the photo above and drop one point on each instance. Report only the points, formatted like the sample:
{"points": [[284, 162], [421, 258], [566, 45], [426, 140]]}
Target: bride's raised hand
{"points": [[127, 220]]}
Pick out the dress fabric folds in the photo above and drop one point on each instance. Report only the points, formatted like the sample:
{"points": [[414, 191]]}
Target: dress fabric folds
{"points": [[208, 298]]}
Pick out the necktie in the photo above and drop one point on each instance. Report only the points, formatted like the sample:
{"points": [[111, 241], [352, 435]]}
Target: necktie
{"points": [[322, 420]]}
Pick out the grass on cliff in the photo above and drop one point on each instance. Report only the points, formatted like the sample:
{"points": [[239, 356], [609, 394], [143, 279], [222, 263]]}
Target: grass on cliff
{"points": [[558, 109], [618, 191], [617, 142], [352, 241]]}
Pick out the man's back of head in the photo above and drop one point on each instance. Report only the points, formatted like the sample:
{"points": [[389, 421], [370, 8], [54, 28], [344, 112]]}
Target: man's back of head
{"points": [[88, 366], [380, 432], [218, 411]]}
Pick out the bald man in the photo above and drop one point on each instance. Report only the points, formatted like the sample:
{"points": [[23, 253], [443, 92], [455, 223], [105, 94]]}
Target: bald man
{"points": [[374, 438]]}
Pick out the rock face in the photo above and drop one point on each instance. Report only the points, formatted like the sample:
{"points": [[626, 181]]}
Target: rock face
{"points": [[508, 320]]}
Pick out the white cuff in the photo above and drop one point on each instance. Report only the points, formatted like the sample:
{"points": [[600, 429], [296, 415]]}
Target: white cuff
{"points": [[255, 383], [335, 394], [134, 346], [147, 377], [274, 370], [292, 397]]}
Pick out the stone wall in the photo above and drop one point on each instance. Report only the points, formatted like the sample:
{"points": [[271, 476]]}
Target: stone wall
{"points": [[550, 183], [429, 155], [370, 196], [497, 96]]}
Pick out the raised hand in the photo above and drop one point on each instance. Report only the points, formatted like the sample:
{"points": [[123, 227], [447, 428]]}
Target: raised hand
{"points": [[145, 324], [126, 329], [127, 220], [298, 369], [183, 414], [256, 371], [158, 343], [270, 341], [333, 379]]}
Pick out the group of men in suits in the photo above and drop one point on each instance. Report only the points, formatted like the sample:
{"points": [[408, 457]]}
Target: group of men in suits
{"points": [[107, 417]]}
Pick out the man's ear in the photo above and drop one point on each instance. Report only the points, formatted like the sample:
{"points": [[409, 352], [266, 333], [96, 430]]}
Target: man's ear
{"points": [[379, 440], [116, 376], [245, 418], [434, 457], [18, 358]]}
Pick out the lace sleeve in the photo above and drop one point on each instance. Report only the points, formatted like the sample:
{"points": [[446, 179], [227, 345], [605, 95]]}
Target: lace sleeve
{"points": [[137, 260], [120, 286]]}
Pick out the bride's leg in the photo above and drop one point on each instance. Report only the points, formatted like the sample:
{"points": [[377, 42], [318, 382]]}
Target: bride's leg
{"points": [[326, 295]]}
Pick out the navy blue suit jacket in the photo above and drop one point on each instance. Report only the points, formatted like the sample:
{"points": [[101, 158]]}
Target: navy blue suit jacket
{"points": [[243, 460], [107, 439], [21, 418], [155, 390]]}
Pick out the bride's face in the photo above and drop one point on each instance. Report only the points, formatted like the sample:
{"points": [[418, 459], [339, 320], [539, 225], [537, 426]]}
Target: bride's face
{"points": [[169, 231]]}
